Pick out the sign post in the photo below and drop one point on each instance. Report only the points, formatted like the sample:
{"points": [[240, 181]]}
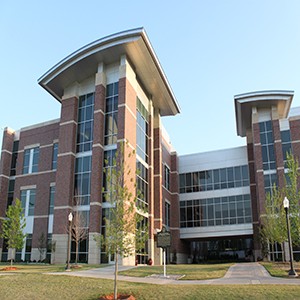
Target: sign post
{"points": [[164, 241]]}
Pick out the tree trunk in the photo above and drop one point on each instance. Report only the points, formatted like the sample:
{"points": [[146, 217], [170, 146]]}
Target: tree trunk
{"points": [[116, 276], [11, 263]]}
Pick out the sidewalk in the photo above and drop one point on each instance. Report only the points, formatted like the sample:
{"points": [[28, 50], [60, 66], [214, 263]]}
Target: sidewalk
{"points": [[241, 273]]}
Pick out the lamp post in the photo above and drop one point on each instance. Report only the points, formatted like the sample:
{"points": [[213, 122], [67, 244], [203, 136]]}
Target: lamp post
{"points": [[286, 205], [70, 219]]}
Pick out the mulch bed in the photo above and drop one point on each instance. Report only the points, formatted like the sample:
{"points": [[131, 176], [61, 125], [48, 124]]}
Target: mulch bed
{"points": [[9, 269], [120, 297]]}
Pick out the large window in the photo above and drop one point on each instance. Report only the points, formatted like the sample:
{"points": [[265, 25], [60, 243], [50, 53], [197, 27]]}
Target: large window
{"points": [[82, 188], [85, 123], [142, 185], [216, 211], [54, 156], [167, 177], [167, 213], [31, 160], [14, 158], [286, 144], [51, 200], [111, 114], [109, 164], [141, 131], [28, 201], [270, 181], [267, 145], [216, 179]]}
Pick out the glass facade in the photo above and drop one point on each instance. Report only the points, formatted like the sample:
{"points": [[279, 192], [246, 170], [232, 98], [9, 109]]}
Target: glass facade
{"points": [[267, 145], [51, 200], [167, 214], [82, 186], [54, 156], [286, 144], [85, 123], [31, 160], [109, 164], [111, 114], [216, 179], [28, 201], [14, 158], [142, 185], [216, 211], [227, 249], [141, 131], [167, 177]]}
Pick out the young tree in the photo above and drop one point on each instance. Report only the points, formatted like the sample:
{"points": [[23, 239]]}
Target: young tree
{"points": [[125, 231], [274, 228], [78, 230], [42, 246], [13, 226]]}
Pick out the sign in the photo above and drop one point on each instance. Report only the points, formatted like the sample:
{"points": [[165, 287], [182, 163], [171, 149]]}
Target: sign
{"points": [[163, 238]]}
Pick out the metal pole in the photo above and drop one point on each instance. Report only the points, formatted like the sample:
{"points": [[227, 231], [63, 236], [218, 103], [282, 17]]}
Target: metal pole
{"points": [[69, 248], [292, 272], [165, 262]]}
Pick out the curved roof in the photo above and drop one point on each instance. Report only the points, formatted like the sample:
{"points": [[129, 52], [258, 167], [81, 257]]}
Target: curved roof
{"points": [[262, 99], [135, 44]]}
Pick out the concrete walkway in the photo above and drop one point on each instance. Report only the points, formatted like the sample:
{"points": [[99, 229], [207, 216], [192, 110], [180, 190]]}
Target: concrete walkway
{"points": [[241, 273]]}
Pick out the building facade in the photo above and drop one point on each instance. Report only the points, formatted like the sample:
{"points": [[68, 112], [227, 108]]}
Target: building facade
{"points": [[114, 90]]}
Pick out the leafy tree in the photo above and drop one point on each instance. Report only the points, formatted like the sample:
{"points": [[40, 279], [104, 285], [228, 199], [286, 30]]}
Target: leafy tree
{"points": [[78, 230], [125, 230], [13, 226], [42, 246], [274, 228]]}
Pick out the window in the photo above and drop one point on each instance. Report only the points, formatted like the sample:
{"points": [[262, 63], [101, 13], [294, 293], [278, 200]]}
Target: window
{"points": [[28, 201], [267, 145], [28, 246], [142, 185], [167, 177], [141, 131], [167, 214], [108, 165], [215, 211], [82, 188], [111, 114], [14, 158], [286, 145], [10, 195], [85, 123], [208, 180], [51, 200], [54, 156], [31, 160]]}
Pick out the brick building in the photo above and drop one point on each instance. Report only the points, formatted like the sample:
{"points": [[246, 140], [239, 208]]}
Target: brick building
{"points": [[113, 90]]}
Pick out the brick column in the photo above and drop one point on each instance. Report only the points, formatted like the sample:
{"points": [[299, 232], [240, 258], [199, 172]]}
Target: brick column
{"points": [[97, 166], [127, 126], [5, 163], [65, 175], [157, 163]]}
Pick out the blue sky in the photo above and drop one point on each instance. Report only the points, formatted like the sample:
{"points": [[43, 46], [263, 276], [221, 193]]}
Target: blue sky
{"points": [[209, 50]]}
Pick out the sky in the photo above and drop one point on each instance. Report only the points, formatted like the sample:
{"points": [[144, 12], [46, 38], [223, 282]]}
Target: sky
{"points": [[209, 50]]}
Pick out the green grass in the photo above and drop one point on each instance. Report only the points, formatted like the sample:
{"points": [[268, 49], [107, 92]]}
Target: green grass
{"points": [[45, 268], [189, 272], [280, 269], [41, 286]]}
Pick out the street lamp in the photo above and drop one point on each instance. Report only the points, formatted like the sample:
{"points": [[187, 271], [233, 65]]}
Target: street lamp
{"points": [[286, 205], [70, 219]]}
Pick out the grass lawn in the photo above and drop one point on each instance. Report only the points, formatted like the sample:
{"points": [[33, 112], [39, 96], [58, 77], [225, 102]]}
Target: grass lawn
{"points": [[41, 286], [42, 268], [280, 269], [190, 272]]}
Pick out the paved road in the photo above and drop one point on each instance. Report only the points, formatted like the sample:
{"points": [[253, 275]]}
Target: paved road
{"points": [[241, 273]]}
